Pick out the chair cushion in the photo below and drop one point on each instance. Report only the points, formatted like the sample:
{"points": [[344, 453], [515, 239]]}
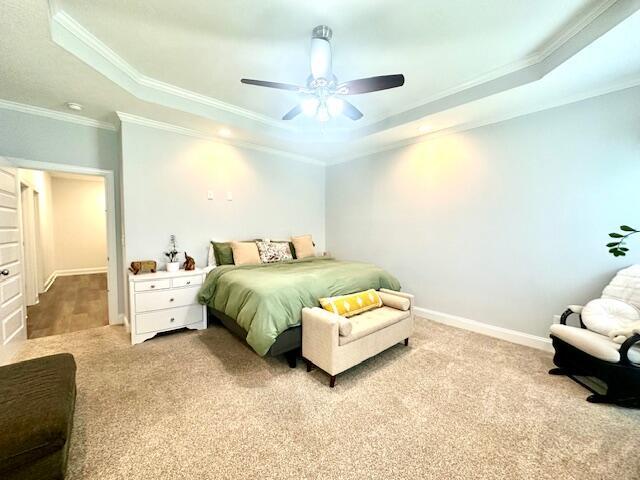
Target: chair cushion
{"points": [[372, 321], [606, 314], [596, 345], [38, 400]]}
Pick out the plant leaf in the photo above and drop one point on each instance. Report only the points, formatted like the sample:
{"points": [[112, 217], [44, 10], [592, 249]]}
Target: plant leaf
{"points": [[615, 235], [627, 228], [623, 249], [613, 244]]}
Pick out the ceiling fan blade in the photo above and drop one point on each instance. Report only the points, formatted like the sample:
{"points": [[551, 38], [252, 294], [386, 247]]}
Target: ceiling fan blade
{"points": [[262, 83], [294, 112], [350, 111], [371, 84]]}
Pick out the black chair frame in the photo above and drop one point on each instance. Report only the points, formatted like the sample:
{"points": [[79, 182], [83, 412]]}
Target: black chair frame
{"points": [[622, 379]]}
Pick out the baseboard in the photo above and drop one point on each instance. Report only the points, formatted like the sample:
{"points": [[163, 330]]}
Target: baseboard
{"points": [[49, 282], [80, 271], [123, 319], [69, 272], [509, 335]]}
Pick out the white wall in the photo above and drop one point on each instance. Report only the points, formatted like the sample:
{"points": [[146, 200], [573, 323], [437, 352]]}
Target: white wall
{"points": [[166, 177], [504, 224], [79, 220], [41, 182]]}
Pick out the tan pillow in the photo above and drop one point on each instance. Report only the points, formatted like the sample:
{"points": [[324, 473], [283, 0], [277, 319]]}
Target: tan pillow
{"points": [[245, 253], [304, 246]]}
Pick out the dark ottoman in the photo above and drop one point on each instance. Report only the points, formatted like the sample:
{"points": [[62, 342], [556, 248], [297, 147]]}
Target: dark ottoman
{"points": [[37, 399]]}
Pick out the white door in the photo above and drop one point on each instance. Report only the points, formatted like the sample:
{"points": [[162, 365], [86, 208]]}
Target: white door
{"points": [[12, 314]]}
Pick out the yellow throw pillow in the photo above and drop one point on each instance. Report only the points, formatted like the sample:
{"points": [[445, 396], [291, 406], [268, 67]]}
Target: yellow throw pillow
{"points": [[245, 253], [303, 246], [353, 304]]}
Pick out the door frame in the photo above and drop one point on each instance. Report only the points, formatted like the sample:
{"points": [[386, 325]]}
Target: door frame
{"points": [[113, 282], [29, 242]]}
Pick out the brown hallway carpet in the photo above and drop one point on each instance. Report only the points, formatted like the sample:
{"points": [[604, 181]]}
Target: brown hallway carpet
{"points": [[452, 405], [73, 303]]}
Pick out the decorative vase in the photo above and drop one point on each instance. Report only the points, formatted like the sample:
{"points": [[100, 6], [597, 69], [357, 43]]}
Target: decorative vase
{"points": [[173, 267]]}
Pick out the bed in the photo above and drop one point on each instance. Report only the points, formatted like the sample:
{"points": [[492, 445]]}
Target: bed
{"points": [[263, 303]]}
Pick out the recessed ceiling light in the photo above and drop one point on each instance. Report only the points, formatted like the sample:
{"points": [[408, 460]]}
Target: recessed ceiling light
{"points": [[425, 128], [74, 106], [224, 132]]}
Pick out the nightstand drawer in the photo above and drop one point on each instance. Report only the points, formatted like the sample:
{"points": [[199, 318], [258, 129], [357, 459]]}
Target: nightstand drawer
{"points": [[168, 319], [186, 281], [179, 297], [151, 285]]}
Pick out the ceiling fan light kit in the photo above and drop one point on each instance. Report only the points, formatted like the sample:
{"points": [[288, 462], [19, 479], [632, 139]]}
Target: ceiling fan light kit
{"points": [[322, 96]]}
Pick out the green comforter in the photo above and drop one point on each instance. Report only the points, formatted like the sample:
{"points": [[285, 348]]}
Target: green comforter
{"points": [[267, 299]]}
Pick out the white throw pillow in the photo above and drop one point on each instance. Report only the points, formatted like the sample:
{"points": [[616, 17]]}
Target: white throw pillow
{"points": [[606, 314], [274, 251]]}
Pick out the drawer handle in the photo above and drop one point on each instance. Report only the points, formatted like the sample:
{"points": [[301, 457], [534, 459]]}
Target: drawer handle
{"points": [[172, 319], [152, 286], [171, 299], [189, 282]]}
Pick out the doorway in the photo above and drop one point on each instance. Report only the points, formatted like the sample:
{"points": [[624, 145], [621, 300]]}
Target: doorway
{"points": [[64, 225]]}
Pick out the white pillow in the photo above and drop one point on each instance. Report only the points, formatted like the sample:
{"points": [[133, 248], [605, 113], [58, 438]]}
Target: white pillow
{"points": [[606, 314], [211, 258]]}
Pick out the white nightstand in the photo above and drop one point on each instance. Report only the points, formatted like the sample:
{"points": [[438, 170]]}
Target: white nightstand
{"points": [[164, 301]]}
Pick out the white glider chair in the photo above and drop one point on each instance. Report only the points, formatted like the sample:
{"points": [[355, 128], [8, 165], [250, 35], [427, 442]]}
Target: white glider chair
{"points": [[606, 344]]}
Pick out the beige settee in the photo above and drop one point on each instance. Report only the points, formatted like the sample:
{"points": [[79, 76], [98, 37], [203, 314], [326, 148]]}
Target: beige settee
{"points": [[335, 343]]}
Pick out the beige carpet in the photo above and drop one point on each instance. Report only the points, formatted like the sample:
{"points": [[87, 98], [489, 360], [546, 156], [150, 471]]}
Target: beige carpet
{"points": [[198, 405]]}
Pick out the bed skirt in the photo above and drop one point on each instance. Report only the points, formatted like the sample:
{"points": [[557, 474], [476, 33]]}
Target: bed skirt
{"points": [[288, 341]]}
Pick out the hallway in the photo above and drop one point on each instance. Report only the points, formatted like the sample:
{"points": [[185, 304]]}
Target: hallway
{"points": [[72, 303]]}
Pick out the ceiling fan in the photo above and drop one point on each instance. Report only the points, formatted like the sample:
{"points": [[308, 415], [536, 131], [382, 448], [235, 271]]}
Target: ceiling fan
{"points": [[322, 96]]}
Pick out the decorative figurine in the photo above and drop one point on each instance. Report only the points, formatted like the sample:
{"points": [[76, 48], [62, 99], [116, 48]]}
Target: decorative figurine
{"points": [[143, 266], [189, 263]]}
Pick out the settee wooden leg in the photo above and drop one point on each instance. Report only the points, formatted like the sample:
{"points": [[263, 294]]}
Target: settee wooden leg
{"points": [[332, 381], [406, 342], [309, 365]]}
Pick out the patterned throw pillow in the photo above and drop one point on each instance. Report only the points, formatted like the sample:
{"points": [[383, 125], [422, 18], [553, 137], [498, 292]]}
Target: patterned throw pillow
{"points": [[274, 252], [349, 305]]}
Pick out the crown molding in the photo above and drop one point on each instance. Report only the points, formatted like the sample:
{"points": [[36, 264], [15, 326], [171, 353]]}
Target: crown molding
{"points": [[55, 115], [168, 127], [627, 83], [72, 36], [565, 45]]}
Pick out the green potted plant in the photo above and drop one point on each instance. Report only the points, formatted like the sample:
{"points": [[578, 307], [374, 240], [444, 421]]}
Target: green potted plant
{"points": [[618, 248], [173, 265]]}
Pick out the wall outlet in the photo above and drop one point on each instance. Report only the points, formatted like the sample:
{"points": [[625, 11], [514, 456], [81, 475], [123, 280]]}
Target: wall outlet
{"points": [[209, 194]]}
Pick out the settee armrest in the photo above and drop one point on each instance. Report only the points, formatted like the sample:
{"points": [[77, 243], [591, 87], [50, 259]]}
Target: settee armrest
{"points": [[571, 309], [320, 333], [624, 348], [320, 325]]}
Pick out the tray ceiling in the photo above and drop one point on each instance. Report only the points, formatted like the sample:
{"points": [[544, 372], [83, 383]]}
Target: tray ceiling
{"points": [[180, 62]]}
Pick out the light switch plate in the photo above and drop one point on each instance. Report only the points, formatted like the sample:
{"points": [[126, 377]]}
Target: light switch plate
{"points": [[229, 196], [209, 194]]}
